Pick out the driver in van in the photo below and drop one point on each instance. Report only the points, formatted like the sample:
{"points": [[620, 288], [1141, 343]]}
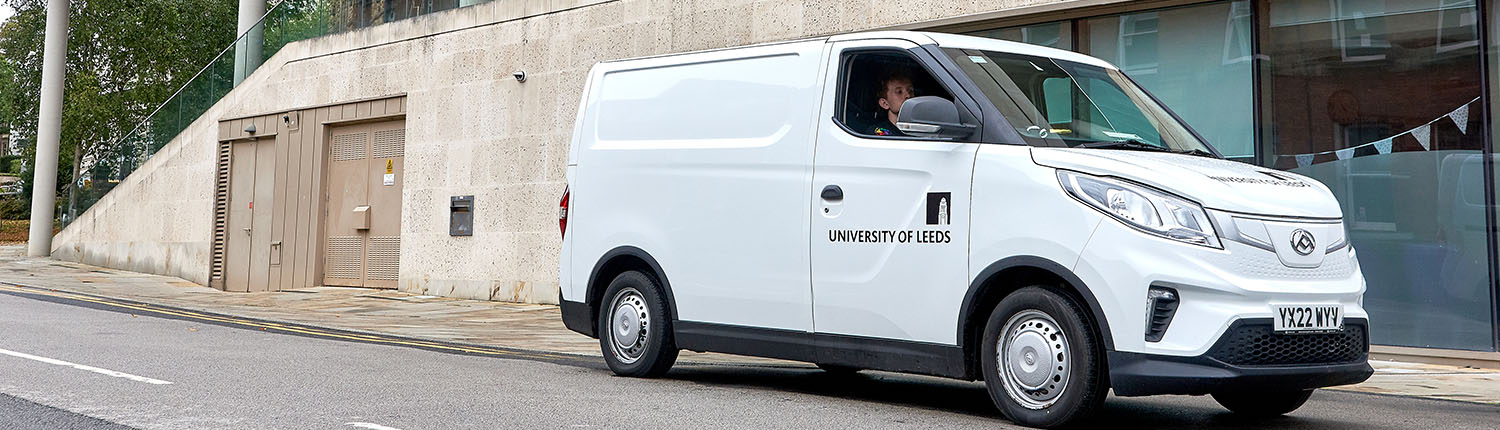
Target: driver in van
{"points": [[895, 87]]}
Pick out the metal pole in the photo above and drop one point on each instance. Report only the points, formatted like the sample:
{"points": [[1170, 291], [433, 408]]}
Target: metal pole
{"points": [[247, 48], [48, 127]]}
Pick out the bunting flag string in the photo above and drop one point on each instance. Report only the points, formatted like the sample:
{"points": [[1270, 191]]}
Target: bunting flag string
{"points": [[1304, 159], [1424, 136], [1460, 118], [1422, 133], [1383, 146]]}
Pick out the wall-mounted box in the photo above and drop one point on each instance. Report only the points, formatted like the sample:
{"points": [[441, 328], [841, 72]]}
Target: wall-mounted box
{"points": [[361, 217], [461, 216]]}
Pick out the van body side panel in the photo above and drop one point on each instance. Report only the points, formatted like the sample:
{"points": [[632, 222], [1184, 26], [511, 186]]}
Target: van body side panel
{"points": [[582, 115], [574, 284], [703, 161], [1020, 209], [572, 277]]}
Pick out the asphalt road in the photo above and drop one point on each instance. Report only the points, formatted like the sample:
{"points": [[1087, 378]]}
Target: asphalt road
{"points": [[76, 365]]}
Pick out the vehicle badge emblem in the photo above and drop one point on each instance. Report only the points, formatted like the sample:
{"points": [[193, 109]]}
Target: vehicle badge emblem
{"points": [[1303, 242]]}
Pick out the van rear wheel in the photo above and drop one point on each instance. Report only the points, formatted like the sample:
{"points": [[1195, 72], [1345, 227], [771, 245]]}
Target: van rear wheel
{"points": [[635, 332], [1043, 361]]}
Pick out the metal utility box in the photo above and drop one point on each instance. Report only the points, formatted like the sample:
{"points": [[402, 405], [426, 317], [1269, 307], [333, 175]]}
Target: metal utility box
{"points": [[461, 216], [361, 218]]}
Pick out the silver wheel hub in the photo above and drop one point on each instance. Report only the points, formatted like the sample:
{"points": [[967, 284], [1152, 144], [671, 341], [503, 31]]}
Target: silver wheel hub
{"points": [[629, 325], [1033, 359]]}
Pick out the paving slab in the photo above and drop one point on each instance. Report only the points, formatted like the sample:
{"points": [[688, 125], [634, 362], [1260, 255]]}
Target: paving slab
{"points": [[528, 326]]}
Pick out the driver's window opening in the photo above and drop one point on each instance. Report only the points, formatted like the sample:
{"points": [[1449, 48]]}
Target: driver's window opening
{"points": [[876, 85]]}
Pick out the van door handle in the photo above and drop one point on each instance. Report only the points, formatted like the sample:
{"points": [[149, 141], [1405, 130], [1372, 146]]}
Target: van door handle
{"points": [[833, 193]]}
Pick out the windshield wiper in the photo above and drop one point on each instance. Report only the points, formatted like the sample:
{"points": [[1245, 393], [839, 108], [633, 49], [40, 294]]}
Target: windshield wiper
{"points": [[1132, 144], [1197, 152]]}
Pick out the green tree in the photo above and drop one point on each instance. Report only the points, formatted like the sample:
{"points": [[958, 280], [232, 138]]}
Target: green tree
{"points": [[124, 59]]}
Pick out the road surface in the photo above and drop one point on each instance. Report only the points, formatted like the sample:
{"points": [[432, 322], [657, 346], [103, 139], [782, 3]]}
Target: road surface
{"points": [[67, 363]]}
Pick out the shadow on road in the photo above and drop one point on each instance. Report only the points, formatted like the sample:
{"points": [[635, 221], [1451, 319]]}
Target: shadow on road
{"points": [[971, 398], [1194, 412]]}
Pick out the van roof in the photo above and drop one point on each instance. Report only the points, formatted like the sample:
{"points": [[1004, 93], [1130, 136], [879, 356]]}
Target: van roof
{"points": [[949, 40], [945, 40]]}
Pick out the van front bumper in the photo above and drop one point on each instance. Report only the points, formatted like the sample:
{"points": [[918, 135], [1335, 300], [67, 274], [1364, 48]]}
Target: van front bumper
{"points": [[1249, 358]]}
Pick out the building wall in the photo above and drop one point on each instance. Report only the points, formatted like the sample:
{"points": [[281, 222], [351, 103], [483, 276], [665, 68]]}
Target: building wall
{"points": [[471, 128]]}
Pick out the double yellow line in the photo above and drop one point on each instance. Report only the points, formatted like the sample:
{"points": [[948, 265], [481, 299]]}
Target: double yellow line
{"points": [[263, 325]]}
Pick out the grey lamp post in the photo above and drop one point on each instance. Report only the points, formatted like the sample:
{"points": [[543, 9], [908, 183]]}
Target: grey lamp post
{"points": [[48, 127], [247, 49]]}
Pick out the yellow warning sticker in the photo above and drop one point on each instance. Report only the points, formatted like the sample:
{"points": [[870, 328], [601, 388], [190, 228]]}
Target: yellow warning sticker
{"points": [[390, 166]]}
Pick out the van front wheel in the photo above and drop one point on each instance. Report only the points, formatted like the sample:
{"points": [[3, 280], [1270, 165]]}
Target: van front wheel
{"points": [[1042, 359], [635, 332]]}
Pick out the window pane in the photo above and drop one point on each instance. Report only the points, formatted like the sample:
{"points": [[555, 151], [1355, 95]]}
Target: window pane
{"points": [[1052, 34], [1118, 110], [1195, 59], [1372, 97], [1059, 90], [1493, 55], [1104, 105]]}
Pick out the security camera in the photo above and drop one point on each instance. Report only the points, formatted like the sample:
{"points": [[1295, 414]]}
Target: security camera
{"points": [[520, 76]]}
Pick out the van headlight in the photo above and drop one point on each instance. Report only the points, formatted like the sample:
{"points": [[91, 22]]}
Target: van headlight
{"points": [[1142, 207]]}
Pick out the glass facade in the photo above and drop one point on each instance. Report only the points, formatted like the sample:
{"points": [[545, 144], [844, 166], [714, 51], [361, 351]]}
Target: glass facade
{"points": [[1052, 34], [1195, 59], [1360, 96], [353, 14], [1492, 96], [1381, 100]]}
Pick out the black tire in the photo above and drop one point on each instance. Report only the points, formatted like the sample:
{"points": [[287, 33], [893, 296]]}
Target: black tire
{"points": [[1080, 372], [1262, 404], [838, 370], [652, 351]]}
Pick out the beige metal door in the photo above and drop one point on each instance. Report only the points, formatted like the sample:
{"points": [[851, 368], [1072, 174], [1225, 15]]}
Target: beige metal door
{"points": [[247, 255], [363, 222], [383, 247]]}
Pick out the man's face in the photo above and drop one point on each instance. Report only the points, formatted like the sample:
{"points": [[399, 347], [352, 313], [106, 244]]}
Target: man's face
{"points": [[896, 93]]}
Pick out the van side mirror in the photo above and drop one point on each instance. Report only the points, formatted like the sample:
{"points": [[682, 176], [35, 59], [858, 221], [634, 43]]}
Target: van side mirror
{"points": [[932, 116]]}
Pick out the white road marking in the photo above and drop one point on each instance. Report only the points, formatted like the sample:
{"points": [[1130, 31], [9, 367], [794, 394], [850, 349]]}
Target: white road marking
{"points": [[83, 367], [371, 426]]}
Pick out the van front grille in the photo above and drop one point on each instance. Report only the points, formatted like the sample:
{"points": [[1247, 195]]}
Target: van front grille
{"points": [[1254, 344]]}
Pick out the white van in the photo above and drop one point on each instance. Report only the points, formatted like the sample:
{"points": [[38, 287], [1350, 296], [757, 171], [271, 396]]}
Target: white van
{"points": [[954, 206]]}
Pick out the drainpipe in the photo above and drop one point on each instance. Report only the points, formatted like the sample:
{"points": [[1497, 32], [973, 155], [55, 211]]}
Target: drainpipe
{"points": [[247, 48], [48, 127]]}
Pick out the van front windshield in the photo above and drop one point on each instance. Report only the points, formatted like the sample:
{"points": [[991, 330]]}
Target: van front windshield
{"points": [[1066, 104]]}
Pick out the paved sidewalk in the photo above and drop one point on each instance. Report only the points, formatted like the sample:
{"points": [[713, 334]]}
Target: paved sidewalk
{"points": [[488, 323], [529, 327]]}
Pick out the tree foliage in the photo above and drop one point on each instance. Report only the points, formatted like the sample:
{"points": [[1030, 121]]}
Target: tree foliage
{"points": [[124, 59]]}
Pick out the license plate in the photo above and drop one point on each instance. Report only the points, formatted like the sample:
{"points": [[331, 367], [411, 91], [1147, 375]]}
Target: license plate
{"points": [[1292, 319]]}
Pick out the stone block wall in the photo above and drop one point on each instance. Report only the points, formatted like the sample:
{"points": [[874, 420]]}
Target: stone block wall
{"points": [[471, 127]]}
